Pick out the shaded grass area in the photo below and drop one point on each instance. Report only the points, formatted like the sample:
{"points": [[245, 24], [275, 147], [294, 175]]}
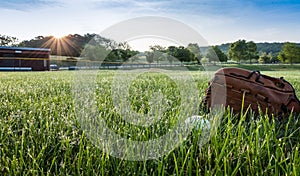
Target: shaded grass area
{"points": [[265, 67], [40, 134], [261, 67]]}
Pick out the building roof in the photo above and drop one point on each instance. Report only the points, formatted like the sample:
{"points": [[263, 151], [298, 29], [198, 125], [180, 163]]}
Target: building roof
{"points": [[24, 48]]}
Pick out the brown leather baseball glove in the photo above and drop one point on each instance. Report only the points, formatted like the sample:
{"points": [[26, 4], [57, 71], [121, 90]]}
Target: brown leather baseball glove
{"points": [[234, 86]]}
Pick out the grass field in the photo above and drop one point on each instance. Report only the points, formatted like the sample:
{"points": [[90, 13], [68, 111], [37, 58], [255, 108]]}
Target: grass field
{"points": [[41, 134]]}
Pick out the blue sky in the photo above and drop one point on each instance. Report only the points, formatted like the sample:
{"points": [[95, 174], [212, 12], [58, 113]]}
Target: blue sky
{"points": [[218, 21]]}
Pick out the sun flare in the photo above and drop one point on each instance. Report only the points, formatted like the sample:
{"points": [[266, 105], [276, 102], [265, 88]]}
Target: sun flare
{"points": [[60, 45], [59, 36]]}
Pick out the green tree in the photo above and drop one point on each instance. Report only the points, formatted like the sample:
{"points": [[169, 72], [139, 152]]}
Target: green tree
{"points": [[215, 54], [204, 60], [195, 49], [124, 46], [281, 56], [238, 50], [135, 58], [158, 50], [184, 55], [172, 50], [172, 53], [252, 51], [265, 58], [180, 53], [95, 52], [149, 56], [221, 55], [8, 40], [127, 54], [157, 56], [274, 57], [290, 53], [114, 56], [211, 55]]}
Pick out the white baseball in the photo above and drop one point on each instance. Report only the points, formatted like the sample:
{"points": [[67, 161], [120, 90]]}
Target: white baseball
{"points": [[198, 122]]}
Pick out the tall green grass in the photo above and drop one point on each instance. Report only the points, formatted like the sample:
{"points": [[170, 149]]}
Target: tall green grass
{"points": [[40, 134]]}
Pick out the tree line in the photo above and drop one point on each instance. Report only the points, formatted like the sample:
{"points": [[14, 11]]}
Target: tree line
{"points": [[94, 47], [243, 51]]}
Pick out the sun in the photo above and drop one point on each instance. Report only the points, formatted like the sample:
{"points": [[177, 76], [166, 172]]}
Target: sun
{"points": [[59, 36]]}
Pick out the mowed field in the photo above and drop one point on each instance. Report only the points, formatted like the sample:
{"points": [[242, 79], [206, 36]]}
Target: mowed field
{"points": [[41, 133]]}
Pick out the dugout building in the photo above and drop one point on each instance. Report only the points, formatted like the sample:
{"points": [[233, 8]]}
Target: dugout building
{"points": [[24, 59]]}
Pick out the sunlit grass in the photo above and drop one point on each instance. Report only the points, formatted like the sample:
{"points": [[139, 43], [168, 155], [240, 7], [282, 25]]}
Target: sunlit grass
{"points": [[40, 134]]}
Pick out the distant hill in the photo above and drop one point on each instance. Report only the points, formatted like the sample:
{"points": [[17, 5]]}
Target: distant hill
{"points": [[274, 48], [72, 45]]}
